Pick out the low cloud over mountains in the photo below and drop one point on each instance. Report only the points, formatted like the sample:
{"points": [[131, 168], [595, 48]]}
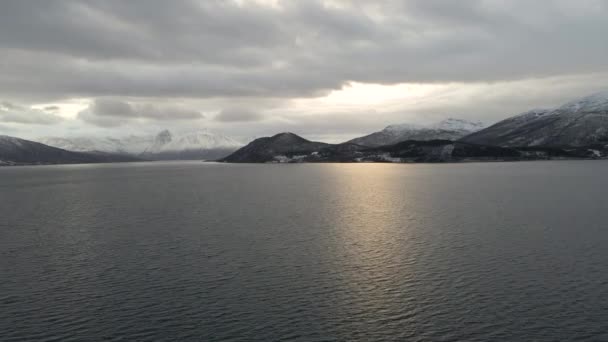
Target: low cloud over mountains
{"points": [[282, 62]]}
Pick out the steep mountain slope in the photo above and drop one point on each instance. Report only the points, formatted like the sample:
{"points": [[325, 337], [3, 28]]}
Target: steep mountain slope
{"points": [[193, 145], [15, 151], [282, 145], [449, 129], [581, 122]]}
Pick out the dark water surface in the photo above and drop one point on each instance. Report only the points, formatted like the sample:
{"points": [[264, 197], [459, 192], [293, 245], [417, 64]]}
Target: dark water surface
{"points": [[332, 252]]}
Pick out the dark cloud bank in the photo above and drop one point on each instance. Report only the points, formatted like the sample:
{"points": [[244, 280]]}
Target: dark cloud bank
{"points": [[112, 113], [154, 51], [58, 48]]}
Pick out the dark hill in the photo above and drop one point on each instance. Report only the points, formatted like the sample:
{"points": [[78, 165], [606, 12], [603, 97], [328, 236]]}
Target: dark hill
{"points": [[273, 148]]}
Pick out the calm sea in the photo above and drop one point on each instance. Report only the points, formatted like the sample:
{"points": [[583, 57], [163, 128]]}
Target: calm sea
{"points": [[191, 251]]}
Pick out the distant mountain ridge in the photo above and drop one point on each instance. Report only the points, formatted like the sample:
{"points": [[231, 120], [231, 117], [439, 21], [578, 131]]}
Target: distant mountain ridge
{"points": [[291, 148], [193, 145], [16, 151], [129, 145], [578, 123], [449, 129], [577, 129], [202, 144]]}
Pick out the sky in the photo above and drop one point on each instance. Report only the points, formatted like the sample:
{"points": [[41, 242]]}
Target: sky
{"points": [[329, 70]]}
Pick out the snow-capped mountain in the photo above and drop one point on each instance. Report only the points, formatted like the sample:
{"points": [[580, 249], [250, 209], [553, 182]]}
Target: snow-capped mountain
{"points": [[580, 122], [128, 145], [16, 151], [166, 141], [165, 145], [291, 148], [193, 145], [449, 129]]}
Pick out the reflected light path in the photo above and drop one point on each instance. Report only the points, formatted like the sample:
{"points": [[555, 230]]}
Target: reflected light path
{"points": [[371, 242]]}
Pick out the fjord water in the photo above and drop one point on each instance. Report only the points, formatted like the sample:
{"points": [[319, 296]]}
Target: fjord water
{"points": [[328, 252]]}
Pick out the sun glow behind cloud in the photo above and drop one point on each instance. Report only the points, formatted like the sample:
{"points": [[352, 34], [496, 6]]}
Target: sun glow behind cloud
{"points": [[353, 110], [368, 96], [66, 109]]}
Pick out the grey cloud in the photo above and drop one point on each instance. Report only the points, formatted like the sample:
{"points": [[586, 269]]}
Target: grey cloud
{"points": [[484, 102], [238, 115], [90, 117], [213, 32], [347, 125], [112, 108], [14, 113], [62, 48], [108, 78], [168, 112], [107, 112]]}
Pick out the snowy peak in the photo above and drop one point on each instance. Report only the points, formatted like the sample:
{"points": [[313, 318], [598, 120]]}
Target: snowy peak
{"points": [[581, 122], [164, 137]]}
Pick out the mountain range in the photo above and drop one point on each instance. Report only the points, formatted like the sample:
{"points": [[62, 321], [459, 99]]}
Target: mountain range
{"points": [[165, 145], [129, 145], [15, 151], [449, 129], [578, 123], [291, 148], [577, 129], [192, 145]]}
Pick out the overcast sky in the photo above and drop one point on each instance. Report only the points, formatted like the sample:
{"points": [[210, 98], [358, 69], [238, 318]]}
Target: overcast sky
{"points": [[328, 70]]}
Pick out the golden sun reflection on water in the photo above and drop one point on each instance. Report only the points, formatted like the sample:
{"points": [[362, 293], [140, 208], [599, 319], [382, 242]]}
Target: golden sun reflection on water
{"points": [[370, 232]]}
